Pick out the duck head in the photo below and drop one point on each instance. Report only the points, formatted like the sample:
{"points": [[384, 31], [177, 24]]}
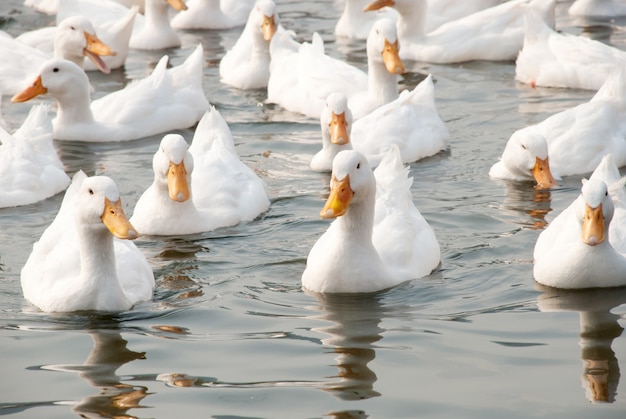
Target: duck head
{"points": [[58, 77], [526, 155], [172, 165], [264, 17], [76, 38], [352, 183], [99, 207], [336, 119], [383, 42], [594, 211]]}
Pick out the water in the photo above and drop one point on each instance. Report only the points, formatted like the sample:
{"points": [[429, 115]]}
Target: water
{"points": [[230, 334]]}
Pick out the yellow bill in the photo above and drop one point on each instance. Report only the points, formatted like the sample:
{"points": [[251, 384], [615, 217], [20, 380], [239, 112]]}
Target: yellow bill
{"points": [[115, 220], [339, 199]]}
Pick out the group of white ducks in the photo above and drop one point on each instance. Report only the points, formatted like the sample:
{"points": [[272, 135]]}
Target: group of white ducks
{"points": [[84, 259]]}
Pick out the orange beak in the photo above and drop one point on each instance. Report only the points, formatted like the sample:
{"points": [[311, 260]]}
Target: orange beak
{"points": [[268, 27], [541, 173], [177, 184], [378, 4], [35, 89], [115, 220], [339, 199], [338, 128], [392, 60], [593, 225]]}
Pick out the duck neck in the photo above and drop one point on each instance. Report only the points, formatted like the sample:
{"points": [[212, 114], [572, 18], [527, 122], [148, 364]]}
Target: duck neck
{"points": [[382, 85], [74, 106], [156, 15], [61, 52], [97, 263], [411, 22], [358, 221]]}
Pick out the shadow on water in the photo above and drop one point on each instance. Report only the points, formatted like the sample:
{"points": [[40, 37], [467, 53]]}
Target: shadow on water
{"points": [[598, 328]]}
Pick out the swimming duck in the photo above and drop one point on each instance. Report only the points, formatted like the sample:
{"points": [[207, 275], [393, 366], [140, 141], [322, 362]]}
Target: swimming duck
{"points": [[598, 8], [577, 138], [495, 33], [85, 260], [304, 90], [378, 239], [74, 40], [577, 249], [168, 99], [213, 14], [30, 169], [115, 34], [336, 125], [201, 188], [247, 64], [411, 122], [152, 30], [553, 59]]}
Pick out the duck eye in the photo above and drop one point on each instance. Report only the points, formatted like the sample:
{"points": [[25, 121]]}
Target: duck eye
{"points": [[90, 191], [358, 166], [55, 69], [72, 28], [606, 193], [523, 146]]}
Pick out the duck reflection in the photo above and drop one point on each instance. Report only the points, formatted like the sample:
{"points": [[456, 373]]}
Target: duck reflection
{"points": [[536, 203], [114, 398], [598, 328], [351, 337]]}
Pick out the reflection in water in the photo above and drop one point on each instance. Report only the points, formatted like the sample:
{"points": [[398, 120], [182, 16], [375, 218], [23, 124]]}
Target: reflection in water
{"points": [[115, 398], [598, 328], [354, 330], [521, 198]]}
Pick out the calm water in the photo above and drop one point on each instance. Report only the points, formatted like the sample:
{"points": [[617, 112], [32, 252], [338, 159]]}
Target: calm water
{"points": [[230, 334]]}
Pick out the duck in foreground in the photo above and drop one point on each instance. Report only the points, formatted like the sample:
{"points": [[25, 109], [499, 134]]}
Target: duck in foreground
{"points": [[85, 260], [201, 188], [378, 239], [30, 168], [168, 99], [585, 245]]}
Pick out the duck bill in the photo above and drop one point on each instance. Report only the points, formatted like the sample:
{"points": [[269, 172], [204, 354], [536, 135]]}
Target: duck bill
{"points": [[177, 184], [35, 89], [268, 27], [338, 128], [115, 220], [378, 4], [95, 49], [177, 4], [541, 173], [593, 225], [392, 60], [339, 199]]}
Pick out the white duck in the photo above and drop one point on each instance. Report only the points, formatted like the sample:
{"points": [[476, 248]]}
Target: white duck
{"points": [[30, 169], [51, 7], [302, 75], [201, 188], [411, 122], [379, 239], [336, 125], [85, 260], [578, 138], [553, 59], [74, 40], [152, 30], [168, 99], [247, 64], [115, 34], [213, 14], [525, 158], [495, 33], [598, 8], [577, 249]]}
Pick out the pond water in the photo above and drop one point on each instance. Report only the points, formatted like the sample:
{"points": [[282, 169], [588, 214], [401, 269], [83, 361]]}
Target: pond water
{"points": [[230, 333]]}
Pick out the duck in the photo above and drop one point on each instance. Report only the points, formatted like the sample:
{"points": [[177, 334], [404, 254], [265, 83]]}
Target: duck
{"points": [[304, 90], [494, 34], [85, 259], [51, 7], [378, 238], [213, 14], [525, 158], [151, 31], [577, 249], [74, 40], [30, 168], [247, 64], [444, 11], [411, 122], [355, 23], [336, 125], [201, 187], [553, 59], [167, 99], [578, 138], [598, 8], [115, 34]]}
